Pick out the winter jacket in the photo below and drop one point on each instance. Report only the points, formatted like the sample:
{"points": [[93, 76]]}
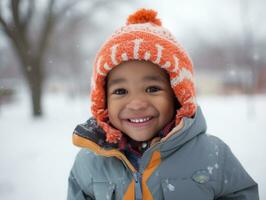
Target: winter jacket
{"points": [[188, 165]]}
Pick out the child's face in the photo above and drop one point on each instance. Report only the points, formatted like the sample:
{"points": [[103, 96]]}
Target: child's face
{"points": [[140, 100]]}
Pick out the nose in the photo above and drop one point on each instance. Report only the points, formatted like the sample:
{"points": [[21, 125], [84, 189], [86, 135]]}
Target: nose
{"points": [[137, 103]]}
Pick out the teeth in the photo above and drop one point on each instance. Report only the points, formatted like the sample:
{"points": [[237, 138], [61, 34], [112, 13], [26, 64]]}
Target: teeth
{"points": [[140, 120]]}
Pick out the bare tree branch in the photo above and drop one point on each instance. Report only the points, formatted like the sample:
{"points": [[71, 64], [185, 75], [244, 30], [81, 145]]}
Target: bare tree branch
{"points": [[16, 28], [15, 4], [4, 24], [51, 19], [47, 28], [6, 28], [29, 13]]}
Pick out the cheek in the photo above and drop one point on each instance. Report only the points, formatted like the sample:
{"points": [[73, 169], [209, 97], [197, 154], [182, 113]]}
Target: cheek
{"points": [[113, 110], [166, 106], [110, 109], [112, 117]]}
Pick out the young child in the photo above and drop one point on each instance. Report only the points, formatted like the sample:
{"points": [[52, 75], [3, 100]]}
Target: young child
{"points": [[147, 137]]}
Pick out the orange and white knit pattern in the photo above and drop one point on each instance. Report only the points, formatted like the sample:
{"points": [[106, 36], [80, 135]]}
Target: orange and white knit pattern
{"points": [[143, 38]]}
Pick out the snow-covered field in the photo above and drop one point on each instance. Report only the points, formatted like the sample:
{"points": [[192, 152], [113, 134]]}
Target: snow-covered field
{"points": [[36, 154]]}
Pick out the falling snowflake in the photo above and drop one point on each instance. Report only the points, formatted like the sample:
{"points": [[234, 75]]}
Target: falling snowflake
{"points": [[216, 166], [170, 187], [210, 169]]}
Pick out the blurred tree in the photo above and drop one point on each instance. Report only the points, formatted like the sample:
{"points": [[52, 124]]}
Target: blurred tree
{"points": [[31, 53], [250, 54], [30, 40]]}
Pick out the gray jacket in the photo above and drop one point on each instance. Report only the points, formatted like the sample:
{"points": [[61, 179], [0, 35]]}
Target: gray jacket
{"points": [[189, 165]]}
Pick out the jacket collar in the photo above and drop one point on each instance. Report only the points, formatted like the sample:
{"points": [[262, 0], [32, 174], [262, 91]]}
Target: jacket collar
{"points": [[90, 130], [191, 128]]}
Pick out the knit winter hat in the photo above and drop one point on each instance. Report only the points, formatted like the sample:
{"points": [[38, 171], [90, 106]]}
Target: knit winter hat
{"points": [[143, 38]]}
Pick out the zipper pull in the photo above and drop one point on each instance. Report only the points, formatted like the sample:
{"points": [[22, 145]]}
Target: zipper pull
{"points": [[138, 189]]}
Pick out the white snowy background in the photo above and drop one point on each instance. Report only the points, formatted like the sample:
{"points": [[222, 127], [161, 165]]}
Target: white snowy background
{"points": [[36, 154]]}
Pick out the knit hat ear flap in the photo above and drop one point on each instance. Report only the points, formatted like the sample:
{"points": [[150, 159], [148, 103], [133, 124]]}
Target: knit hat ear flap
{"points": [[143, 38]]}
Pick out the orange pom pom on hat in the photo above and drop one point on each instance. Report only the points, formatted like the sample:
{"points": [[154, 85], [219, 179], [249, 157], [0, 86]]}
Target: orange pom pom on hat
{"points": [[143, 38]]}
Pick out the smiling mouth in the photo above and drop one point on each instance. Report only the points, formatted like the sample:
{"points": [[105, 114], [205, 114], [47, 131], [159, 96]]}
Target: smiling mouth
{"points": [[140, 120]]}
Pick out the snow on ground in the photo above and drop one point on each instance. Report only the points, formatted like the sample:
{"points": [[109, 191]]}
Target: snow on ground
{"points": [[36, 154]]}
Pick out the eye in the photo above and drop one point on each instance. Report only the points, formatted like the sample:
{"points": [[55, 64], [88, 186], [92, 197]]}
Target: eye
{"points": [[119, 91], [152, 89]]}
